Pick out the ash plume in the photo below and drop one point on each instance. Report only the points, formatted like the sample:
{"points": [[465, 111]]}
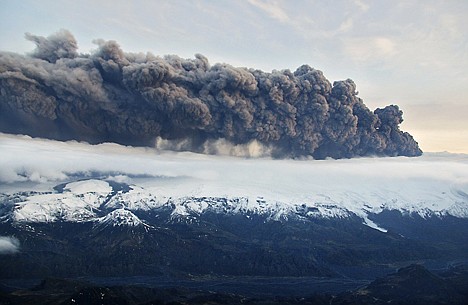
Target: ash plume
{"points": [[134, 99]]}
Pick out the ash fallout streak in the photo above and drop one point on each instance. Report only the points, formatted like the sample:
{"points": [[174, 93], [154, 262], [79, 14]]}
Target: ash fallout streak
{"points": [[133, 99]]}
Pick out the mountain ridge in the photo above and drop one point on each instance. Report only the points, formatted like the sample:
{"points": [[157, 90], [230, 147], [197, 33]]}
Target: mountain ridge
{"points": [[92, 199], [71, 209]]}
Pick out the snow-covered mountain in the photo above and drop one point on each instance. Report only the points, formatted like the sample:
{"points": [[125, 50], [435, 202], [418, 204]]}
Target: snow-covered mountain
{"points": [[48, 181], [120, 217], [74, 209], [101, 201]]}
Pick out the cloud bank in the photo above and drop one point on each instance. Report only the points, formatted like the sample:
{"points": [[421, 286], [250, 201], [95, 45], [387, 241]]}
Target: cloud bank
{"points": [[9, 245], [435, 181], [23, 158], [132, 99]]}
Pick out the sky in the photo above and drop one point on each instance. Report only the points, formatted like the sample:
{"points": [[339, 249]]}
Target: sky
{"points": [[410, 53]]}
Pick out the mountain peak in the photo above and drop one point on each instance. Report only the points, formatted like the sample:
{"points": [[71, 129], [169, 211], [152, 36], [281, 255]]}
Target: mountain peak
{"points": [[121, 217]]}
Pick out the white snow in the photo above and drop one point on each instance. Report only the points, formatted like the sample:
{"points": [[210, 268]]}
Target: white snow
{"points": [[121, 217], [434, 184], [97, 187], [373, 225], [78, 202]]}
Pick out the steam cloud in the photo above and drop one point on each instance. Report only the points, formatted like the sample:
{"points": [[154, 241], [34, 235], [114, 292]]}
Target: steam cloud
{"points": [[134, 99], [8, 245]]}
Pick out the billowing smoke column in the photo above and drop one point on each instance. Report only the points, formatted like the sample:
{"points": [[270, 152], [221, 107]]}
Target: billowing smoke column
{"points": [[135, 99]]}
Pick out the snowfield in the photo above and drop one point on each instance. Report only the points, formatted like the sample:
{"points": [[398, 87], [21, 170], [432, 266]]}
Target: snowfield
{"points": [[191, 184]]}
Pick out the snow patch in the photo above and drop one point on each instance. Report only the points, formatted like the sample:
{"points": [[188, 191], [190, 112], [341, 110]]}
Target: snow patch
{"points": [[373, 225], [98, 187]]}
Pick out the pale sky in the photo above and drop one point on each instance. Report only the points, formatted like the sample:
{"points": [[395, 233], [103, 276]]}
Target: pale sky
{"points": [[410, 53]]}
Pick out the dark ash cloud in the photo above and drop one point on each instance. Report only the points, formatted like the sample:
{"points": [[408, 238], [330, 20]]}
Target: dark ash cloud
{"points": [[133, 99]]}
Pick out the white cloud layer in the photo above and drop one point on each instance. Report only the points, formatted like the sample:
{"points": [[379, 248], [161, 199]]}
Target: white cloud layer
{"points": [[436, 181], [23, 158], [9, 245]]}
